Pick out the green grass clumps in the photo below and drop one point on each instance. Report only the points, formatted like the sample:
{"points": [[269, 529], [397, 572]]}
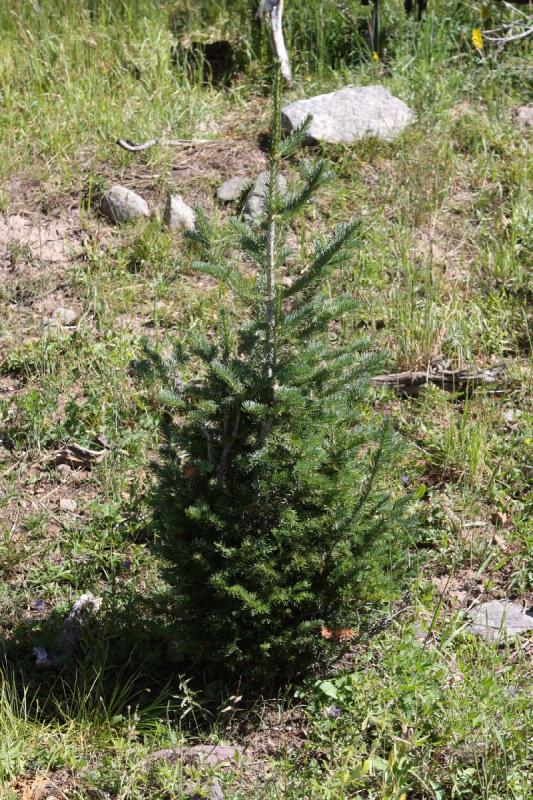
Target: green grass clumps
{"points": [[273, 502], [412, 720]]}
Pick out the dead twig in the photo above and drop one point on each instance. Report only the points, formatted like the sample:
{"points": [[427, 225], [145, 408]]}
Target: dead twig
{"points": [[514, 37], [511, 31], [77, 456], [410, 382], [131, 147]]}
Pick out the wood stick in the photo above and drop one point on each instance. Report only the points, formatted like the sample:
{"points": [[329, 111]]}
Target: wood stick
{"points": [[131, 147], [276, 21], [511, 38], [274, 9], [410, 382]]}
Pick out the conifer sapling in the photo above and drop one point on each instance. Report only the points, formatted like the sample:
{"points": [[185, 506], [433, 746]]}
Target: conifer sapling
{"points": [[272, 501]]}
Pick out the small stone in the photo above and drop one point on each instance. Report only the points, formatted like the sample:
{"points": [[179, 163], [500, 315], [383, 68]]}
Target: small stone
{"points": [[178, 214], [350, 114], [512, 414], [213, 755], [65, 316], [119, 204], [65, 504], [255, 202], [42, 659], [524, 116], [216, 791], [231, 190], [499, 619]]}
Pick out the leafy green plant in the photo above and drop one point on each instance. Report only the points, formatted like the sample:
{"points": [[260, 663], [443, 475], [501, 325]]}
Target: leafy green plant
{"points": [[271, 502]]}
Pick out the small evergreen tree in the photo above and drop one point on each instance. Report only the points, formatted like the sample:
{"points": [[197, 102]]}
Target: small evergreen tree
{"points": [[273, 509]]}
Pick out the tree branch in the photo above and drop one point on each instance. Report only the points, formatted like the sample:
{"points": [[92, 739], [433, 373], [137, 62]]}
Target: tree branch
{"points": [[410, 383], [274, 9], [131, 147]]}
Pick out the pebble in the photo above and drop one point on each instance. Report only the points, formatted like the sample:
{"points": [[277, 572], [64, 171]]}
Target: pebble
{"points": [[119, 204], [178, 215], [62, 318], [255, 202], [524, 116], [231, 190], [65, 316], [498, 620]]}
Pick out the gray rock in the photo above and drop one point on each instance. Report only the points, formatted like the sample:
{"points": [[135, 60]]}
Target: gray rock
{"points": [[216, 790], [62, 318], [255, 202], [178, 214], [524, 115], [231, 190], [350, 114], [65, 316], [215, 793], [66, 504], [119, 204], [211, 755], [498, 620]]}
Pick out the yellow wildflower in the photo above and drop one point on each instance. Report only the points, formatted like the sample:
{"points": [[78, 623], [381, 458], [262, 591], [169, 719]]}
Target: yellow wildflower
{"points": [[477, 38], [375, 56]]}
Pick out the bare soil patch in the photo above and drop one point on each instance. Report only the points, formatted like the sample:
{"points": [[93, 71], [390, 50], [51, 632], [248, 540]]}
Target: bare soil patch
{"points": [[33, 237]]}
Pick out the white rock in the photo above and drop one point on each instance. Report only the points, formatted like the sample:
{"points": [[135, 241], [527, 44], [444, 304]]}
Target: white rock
{"points": [[350, 114], [524, 115], [232, 189], [65, 316], [255, 202], [498, 620], [119, 204], [62, 318], [178, 214], [66, 504]]}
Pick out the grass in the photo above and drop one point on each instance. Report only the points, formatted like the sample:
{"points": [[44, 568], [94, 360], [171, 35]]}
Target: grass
{"points": [[420, 709]]}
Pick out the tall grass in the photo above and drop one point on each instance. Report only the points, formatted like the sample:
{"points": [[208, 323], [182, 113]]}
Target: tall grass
{"points": [[75, 76]]}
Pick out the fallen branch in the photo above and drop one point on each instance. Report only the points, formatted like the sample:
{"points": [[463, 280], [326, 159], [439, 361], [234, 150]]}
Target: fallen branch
{"points": [[410, 382], [513, 37], [514, 8], [274, 10], [512, 31], [77, 456], [131, 147]]}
